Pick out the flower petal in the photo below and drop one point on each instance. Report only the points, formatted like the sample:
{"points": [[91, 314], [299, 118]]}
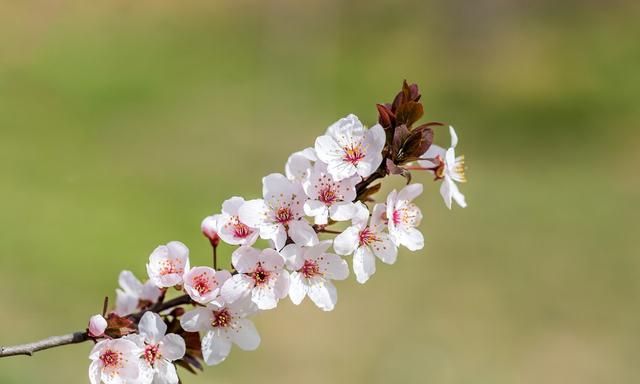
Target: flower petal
{"points": [[236, 287], [151, 327], [172, 347], [215, 348], [323, 294], [297, 288], [346, 242], [302, 233], [246, 336], [364, 264]]}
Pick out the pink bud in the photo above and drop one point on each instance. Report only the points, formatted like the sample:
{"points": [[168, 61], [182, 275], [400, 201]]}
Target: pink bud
{"points": [[209, 228], [97, 325]]}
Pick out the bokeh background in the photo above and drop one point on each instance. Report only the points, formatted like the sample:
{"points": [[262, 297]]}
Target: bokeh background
{"points": [[123, 124]]}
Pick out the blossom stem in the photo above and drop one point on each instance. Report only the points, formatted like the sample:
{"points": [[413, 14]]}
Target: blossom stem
{"points": [[215, 257]]}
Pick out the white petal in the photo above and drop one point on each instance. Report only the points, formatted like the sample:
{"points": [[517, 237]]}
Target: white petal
{"points": [[126, 303], [94, 372], [334, 267], [314, 207], [151, 327], [236, 287], [410, 192], [129, 283], [293, 255], [364, 264], [327, 149], [379, 217], [232, 205], [342, 211], [166, 373], [245, 259], [275, 184], [323, 294], [369, 164], [246, 336], [457, 195], [271, 260], [361, 215], [445, 191], [172, 347], [302, 233], [281, 286], [253, 213], [340, 170], [215, 348], [346, 242], [377, 137], [264, 297], [297, 288], [196, 320], [454, 137], [385, 249]]}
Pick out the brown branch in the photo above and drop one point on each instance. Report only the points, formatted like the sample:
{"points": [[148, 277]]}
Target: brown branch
{"points": [[81, 336]]}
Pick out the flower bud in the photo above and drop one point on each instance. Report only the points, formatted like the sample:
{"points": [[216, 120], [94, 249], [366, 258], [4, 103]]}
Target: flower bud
{"points": [[209, 228], [97, 325]]}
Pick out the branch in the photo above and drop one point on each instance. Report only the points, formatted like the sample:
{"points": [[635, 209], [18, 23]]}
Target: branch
{"points": [[81, 336]]}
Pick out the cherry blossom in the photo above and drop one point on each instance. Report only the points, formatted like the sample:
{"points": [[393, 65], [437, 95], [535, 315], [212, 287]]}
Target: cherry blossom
{"points": [[158, 350], [133, 295], [97, 325], [260, 274], [280, 214], [230, 229], [313, 268], [328, 197], [349, 148], [203, 284], [209, 228], [114, 362], [168, 263], [366, 241], [447, 167], [299, 164], [221, 326], [404, 216]]}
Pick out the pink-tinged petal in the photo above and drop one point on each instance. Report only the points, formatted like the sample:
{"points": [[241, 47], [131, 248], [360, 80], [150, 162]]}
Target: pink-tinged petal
{"points": [[196, 320], [302, 233], [150, 292], [323, 294], [246, 336], [379, 217], [360, 215], [95, 372], [410, 192], [178, 250], [271, 260], [454, 137], [314, 207], [333, 267], [232, 205], [97, 325], [293, 256], [317, 250], [151, 327], [222, 275], [236, 287], [129, 283], [126, 303], [297, 288], [97, 349], [431, 153], [342, 211], [364, 264], [215, 348], [279, 237], [253, 213], [166, 373], [385, 249], [172, 347], [346, 242], [275, 184], [264, 297], [245, 259], [281, 286]]}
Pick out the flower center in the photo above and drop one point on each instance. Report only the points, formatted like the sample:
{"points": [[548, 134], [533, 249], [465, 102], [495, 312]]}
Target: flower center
{"points": [[201, 284], [241, 230], [310, 269], [151, 353], [221, 318], [367, 237], [111, 358], [260, 276], [284, 215], [327, 195], [439, 169], [169, 267], [353, 153], [459, 169]]}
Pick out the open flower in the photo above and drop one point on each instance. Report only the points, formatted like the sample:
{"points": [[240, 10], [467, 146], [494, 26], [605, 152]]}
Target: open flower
{"points": [[312, 271], [203, 284], [230, 229], [366, 241], [328, 197], [158, 350], [168, 263], [133, 295], [404, 216], [114, 362], [221, 326], [446, 166], [260, 274], [299, 164], [349, 148], [280, 214]]}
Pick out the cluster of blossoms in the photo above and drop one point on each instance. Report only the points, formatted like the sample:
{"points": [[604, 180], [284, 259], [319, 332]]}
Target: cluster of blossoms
{"points": [[145, 337]]}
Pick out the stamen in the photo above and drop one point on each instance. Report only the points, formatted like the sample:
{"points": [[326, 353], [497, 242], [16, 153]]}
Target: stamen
{"points": [[310, 269], [221, 318], [353, 153]]}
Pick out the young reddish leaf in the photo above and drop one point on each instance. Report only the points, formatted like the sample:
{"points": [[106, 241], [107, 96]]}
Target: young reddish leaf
{"points": [[409, 112], [386, 118], [119, 326]]}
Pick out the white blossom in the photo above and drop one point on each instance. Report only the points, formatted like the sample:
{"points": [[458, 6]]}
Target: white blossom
{"points": [[203, 284], [114, 362], [133, 295], [313, 268], [230, 228], [167, 264], [446, 166], [261, 275], [349, 148], [280, 214], [299, 164], [404, 216], [329, 198], [366, 241]]}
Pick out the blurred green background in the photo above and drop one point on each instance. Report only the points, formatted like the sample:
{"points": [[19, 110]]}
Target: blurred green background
{"points": [[123, 124]]}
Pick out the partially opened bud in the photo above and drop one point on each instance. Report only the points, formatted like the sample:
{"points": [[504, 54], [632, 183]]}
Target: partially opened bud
{"points": [[97, 325], [209, 228]]}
